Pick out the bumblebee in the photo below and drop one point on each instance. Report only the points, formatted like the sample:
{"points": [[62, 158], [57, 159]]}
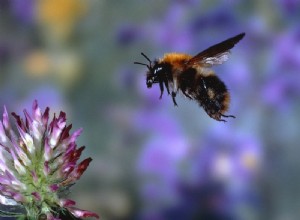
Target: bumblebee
{"points": [[191, 75]]}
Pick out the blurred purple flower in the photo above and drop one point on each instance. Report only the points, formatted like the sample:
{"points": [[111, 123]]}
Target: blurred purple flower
{"points": [[290, 7], [282, 90], [202, 201], [160, 155], [218, 18], [23, 10], [169, 33], [39, 163], [228, 156], [287, 50], [219, 179], [128, 34], [158, 122], [47, 94], [159, 161], [282, 81], [158, 167]]}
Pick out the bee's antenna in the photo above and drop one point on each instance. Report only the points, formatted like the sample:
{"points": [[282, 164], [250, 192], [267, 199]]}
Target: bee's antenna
{"points": [[144, 63], [146, 57]]}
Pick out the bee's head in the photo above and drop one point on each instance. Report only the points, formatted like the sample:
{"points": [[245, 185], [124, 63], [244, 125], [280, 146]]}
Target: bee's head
{"points": [[153, 74], [153, 70]]}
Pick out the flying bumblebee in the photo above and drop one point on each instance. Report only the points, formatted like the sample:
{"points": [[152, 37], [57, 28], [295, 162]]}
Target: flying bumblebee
{"points": [[192, 76]]}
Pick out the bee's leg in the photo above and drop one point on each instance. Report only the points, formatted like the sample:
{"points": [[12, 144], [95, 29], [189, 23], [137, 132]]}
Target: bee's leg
{"points": [[228, 116], [187, 95], [175, 89], [173, 98], [167, 86], [161, 86], [216, 116]]}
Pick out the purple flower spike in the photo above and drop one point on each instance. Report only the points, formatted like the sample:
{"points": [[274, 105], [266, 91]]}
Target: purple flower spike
{"points": [[38, 162], [5, 119]]}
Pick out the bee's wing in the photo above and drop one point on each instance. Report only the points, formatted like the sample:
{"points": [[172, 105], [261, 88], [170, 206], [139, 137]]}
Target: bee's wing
{"points": [[216, 54]]}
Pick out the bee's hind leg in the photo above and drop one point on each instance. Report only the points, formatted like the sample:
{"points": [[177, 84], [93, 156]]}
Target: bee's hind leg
{"points": [[161, 86], [173, 98], [167, 86], [187, 95], [227, 116]]}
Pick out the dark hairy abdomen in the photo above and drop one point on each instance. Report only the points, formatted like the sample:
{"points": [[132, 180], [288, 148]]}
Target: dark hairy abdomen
{"points": [[209, 91]]}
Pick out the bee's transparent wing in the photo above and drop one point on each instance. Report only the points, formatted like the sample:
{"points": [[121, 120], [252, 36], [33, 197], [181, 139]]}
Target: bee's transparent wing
{"points": [[216, 54]]}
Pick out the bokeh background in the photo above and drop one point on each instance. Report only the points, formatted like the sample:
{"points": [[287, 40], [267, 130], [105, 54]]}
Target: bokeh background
{"points": [[152, 161]]}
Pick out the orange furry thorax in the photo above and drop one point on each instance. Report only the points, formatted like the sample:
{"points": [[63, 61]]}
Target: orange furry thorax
{"points": [[175, 59]]}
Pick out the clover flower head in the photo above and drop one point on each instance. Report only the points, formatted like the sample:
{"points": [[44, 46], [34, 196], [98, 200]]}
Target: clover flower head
{"points": [[39, 163]]}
